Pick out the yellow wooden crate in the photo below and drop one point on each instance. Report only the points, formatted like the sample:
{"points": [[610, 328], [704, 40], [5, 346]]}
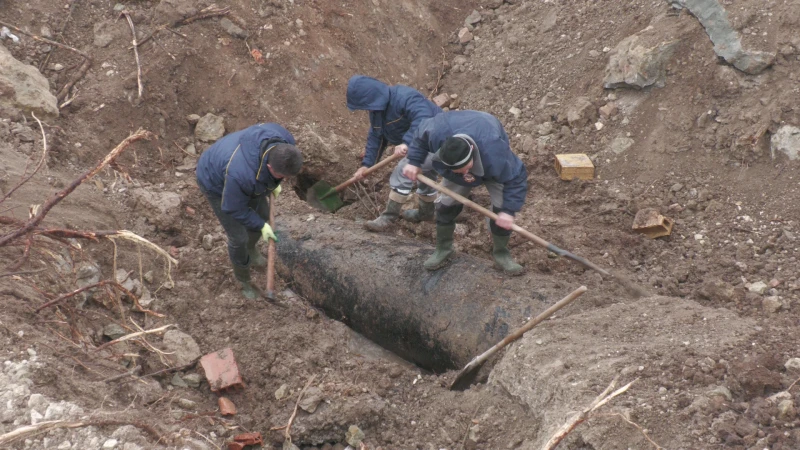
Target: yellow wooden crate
{"points": [[574, 165]]}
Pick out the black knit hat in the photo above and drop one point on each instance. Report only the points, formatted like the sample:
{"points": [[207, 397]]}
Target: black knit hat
{"points": [[455, 153]]}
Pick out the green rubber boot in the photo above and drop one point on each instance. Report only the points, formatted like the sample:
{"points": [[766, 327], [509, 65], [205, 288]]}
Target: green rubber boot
{"points": [[444, 247], [502, 257], [242, 275], [256, 258], [387, 218], [423, 213]]}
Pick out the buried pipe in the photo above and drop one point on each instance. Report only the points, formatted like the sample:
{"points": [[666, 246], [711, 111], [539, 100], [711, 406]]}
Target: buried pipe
{"points": [[376, 284]]}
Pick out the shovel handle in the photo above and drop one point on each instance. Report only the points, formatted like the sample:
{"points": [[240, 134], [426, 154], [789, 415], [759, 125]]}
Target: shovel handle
{"points": [[271, 251], [392, 158], [530, 236]]}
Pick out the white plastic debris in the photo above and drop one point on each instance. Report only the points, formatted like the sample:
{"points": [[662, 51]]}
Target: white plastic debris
{"points": [[5, 33]]}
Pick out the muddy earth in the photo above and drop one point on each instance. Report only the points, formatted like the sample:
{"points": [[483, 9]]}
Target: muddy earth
{"points": [[688, 107]]}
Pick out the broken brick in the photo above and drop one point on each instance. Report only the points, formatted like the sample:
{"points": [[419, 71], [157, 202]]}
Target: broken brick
{"points": [[249, 439], [226, 407], [235, 446], [221, 370]]}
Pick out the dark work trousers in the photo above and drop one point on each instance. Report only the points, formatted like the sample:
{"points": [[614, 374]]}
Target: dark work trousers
{"points": [[240, 239]]}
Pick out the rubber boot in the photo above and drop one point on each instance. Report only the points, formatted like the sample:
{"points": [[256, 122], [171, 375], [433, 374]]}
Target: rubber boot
{"points": [[423, 213], [444, 247], [387, 218], [256, 258], [502, 257], [242, 275]]}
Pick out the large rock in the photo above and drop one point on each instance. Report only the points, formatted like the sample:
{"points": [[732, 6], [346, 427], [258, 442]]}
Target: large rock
{"points": [[23, 87], [183, 347], [161, 208], [727, 43], [639, 61], [787, 141], [209, 128]]}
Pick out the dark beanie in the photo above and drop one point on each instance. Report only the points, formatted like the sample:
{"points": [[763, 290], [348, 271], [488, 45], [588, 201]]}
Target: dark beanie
{"points": [[455, 153]]}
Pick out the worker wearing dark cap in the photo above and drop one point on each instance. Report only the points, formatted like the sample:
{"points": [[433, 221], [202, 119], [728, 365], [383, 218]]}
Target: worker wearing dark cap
{"points": [[471, 148]]}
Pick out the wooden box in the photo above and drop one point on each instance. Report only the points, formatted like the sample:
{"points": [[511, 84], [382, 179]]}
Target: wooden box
{"points": [[574, 165], [652, 224]]}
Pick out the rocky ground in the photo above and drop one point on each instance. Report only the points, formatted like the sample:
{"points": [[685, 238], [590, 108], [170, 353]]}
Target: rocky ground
{"points": [[681, 110]]}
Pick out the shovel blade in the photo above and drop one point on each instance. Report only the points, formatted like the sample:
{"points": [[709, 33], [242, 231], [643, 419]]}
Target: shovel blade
{"points": [[323, 197]]}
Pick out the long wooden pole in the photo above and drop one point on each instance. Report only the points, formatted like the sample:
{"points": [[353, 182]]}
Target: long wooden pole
{"points": [[530, 236]]}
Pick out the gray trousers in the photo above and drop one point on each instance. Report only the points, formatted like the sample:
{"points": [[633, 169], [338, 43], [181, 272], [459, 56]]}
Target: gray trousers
{"points": [[403, 185], [448, 208], [240, 239]]}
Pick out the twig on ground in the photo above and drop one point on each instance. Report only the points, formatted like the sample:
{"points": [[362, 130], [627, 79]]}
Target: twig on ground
{"points": [[469, 425], [38, 166], [128, 337], [584, 415], [123, 375], [41, 427], [209, 12], [440, 71], [135, 52], [72, 294], [288, 432], [171, 369], [58, 35], [24, 272], [58, 196]]}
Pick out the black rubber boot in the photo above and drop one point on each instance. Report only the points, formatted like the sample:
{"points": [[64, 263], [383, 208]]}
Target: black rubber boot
{"points": [[424, 213], [387, 218], [242, 275], [444, 247], [502, 257]]}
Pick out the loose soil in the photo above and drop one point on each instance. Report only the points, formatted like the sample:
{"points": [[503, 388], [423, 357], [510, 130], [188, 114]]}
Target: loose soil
{"points": [[700, 155]]}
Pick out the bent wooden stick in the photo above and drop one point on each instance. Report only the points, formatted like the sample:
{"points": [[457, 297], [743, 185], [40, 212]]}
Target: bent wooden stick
{"points": [[459, 382]]}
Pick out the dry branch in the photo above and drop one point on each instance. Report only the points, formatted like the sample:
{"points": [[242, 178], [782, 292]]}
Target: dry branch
{"points": [[41, 427], [288, 432], [38, 166], [128, 337], [584, 415], [58, 196], [135, 52]]}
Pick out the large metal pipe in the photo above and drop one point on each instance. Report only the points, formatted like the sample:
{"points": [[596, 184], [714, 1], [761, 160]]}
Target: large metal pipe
{"points": [[375, 283]]}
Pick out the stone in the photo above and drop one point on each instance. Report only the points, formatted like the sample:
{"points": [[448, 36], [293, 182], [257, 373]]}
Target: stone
{"points": [[786, 141], [442, 100], [208, 242], [185, 403], [545, 129], [171, 11], [464, 35], [192, 379], [146, 298], [608, 110], [38, 401], [717, 291], [163, 207], [639, 61], [581, 113], [192, 119], [183, 347], [209, 128], [191, 149], [791, 364], [177, 381], [232, 29], [786, 410], [281, 392], [758, 287], [311, 400], [720, 391], [621, 144], [529, 145], [771, 304], [110, 443], [727, 41], [113, 331], [23, 87], [55, 411], [515, 111], [473, 18], [354, 436]]}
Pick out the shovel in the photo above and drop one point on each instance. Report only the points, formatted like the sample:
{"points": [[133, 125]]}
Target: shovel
{"points": [[464, 378], [270, 294], [326, 198]]}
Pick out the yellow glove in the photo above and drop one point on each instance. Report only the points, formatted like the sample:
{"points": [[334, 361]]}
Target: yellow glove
{"points": [[267, 233], [277, 191]]}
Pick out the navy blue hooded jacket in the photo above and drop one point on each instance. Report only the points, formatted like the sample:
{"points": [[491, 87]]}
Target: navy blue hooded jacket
{"points": [[235, 168], [497, 160], [394, 113]]}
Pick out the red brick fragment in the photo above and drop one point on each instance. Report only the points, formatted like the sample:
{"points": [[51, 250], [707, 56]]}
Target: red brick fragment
{"points": [[249, 439], [221, 370], [226, 407], [235, 446]]}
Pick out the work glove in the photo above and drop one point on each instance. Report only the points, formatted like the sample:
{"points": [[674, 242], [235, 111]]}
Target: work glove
{"points": [[267, 233], [277, 191]]}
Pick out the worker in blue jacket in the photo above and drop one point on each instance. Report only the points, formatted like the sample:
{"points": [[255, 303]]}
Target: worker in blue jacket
{"points": [[236, 174], [471, 148], [394, 114]]}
